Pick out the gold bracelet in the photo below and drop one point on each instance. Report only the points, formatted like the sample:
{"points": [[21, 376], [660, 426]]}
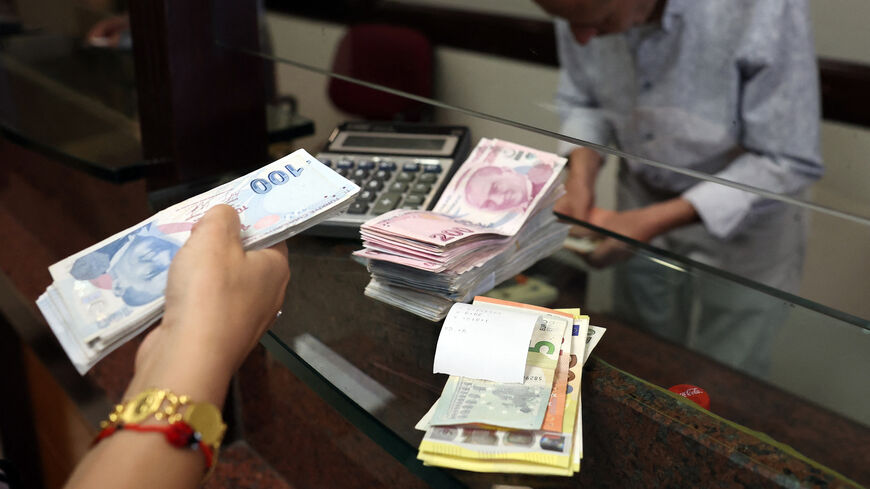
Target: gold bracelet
{"points": [[203, 419]]}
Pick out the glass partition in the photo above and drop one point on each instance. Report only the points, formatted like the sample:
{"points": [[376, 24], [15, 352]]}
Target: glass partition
{"points": [[488, 54], [827, 254], [766, 279], [810, 347], [800, 382], [67, 85], [517, 90]]}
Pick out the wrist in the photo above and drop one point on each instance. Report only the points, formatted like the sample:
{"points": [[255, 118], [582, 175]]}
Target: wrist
{"points": [[665, 216], [585, 160], [184, 422], [181, 367], [191, 385]]}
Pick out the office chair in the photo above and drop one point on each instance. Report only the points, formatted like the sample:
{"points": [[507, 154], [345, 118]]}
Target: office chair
{"points": [[394, 57]]}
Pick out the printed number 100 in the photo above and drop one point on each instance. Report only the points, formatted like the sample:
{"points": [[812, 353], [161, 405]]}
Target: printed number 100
{"points": [[274, 178]]}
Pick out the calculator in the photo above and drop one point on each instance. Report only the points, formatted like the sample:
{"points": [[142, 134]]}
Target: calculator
{"points": [[397, 166]]}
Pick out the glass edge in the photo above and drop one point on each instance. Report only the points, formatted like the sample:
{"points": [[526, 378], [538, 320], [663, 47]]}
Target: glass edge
{"points": [[861, 220], [122, 174], [372, 427], [726, 275]]}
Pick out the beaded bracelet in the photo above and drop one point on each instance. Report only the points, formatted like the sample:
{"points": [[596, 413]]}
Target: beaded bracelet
{"points": [[178, 434]]}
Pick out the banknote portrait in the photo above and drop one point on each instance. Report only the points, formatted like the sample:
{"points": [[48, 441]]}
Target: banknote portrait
{"points": [[520, 398], [135, 267], [476, 436], [444, 433], [500, 188], [519, 438]]}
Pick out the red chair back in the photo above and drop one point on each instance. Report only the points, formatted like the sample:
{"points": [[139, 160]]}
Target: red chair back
{"points": [[394, 57]]}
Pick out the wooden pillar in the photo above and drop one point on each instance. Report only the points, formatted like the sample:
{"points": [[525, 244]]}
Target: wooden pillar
{"points": [[201, 105], [18, 438]]}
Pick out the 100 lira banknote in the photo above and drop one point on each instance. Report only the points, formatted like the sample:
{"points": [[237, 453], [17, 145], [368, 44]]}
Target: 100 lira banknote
{"points": [[102, 293]]}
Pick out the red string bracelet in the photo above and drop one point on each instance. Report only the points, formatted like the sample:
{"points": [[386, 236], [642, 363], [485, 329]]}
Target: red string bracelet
{"points": [[178, 434]]}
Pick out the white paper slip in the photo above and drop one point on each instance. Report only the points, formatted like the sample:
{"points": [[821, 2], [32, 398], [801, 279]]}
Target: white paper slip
{"points": [[488, 344]]}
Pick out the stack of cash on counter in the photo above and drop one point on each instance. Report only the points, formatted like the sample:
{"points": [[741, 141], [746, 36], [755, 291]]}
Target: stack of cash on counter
{"points": [[493, 220], [106, 294], [528, 424]]}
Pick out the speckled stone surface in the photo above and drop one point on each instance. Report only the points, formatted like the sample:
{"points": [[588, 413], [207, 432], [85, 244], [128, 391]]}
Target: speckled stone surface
{"points": [[241, 467], [816, 432], [636, 435]]}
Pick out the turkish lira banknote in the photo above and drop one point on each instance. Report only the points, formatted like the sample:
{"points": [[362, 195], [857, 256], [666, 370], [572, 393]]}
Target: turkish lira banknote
{"points": [[493, 220], [500, 185], [107, 293]]}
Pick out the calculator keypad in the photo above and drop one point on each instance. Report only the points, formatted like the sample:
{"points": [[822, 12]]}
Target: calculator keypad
{"points": [[386, 183]]}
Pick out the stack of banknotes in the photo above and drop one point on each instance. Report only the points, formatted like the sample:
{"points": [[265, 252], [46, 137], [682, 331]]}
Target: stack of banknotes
{"points": [[108, 293], [531, 428], [493, 220]]}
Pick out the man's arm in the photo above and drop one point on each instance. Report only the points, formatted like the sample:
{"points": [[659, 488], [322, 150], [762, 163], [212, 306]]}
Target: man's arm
{"points": [[779, 111], [581, 119], [641, 224], [579, 199]]}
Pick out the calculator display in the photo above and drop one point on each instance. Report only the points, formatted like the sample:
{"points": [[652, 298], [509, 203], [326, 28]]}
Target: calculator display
{"points": [[434, 144], [388, 143]]}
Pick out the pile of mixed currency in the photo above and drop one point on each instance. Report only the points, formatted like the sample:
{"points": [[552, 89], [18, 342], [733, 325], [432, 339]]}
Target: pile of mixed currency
{"points": [[533, 427]]}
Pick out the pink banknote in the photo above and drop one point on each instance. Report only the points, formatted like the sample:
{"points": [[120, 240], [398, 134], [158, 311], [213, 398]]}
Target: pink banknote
{"points": [[424, 226], [422, 264], [500, 185]]}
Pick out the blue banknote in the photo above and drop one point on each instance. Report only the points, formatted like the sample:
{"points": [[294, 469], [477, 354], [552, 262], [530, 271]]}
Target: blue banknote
{"points": [[116, 287]]}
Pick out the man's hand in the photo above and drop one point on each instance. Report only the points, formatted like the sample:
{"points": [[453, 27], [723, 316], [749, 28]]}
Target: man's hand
{"points": [[583, 166], [219, 300], [641, 225]]}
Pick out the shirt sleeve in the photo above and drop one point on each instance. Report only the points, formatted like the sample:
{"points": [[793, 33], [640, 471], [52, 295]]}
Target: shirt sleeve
{"points": [[578, 110], [779, 111]]}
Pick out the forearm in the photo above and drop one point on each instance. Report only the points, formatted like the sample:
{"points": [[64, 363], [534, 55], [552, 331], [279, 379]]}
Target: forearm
{"points": [[659, 218], [169, 358], [672, 214], [583, 166], [138, 460], [586, 161], [132, 459], [220, 299], [725, 210]]}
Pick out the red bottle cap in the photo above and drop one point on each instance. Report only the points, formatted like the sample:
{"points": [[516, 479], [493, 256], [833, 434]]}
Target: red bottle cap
{"points": [[694, 393]]}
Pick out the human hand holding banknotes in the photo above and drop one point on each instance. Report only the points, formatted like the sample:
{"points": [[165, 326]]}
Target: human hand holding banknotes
{"points": [[219, 300], [108, 293]]}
